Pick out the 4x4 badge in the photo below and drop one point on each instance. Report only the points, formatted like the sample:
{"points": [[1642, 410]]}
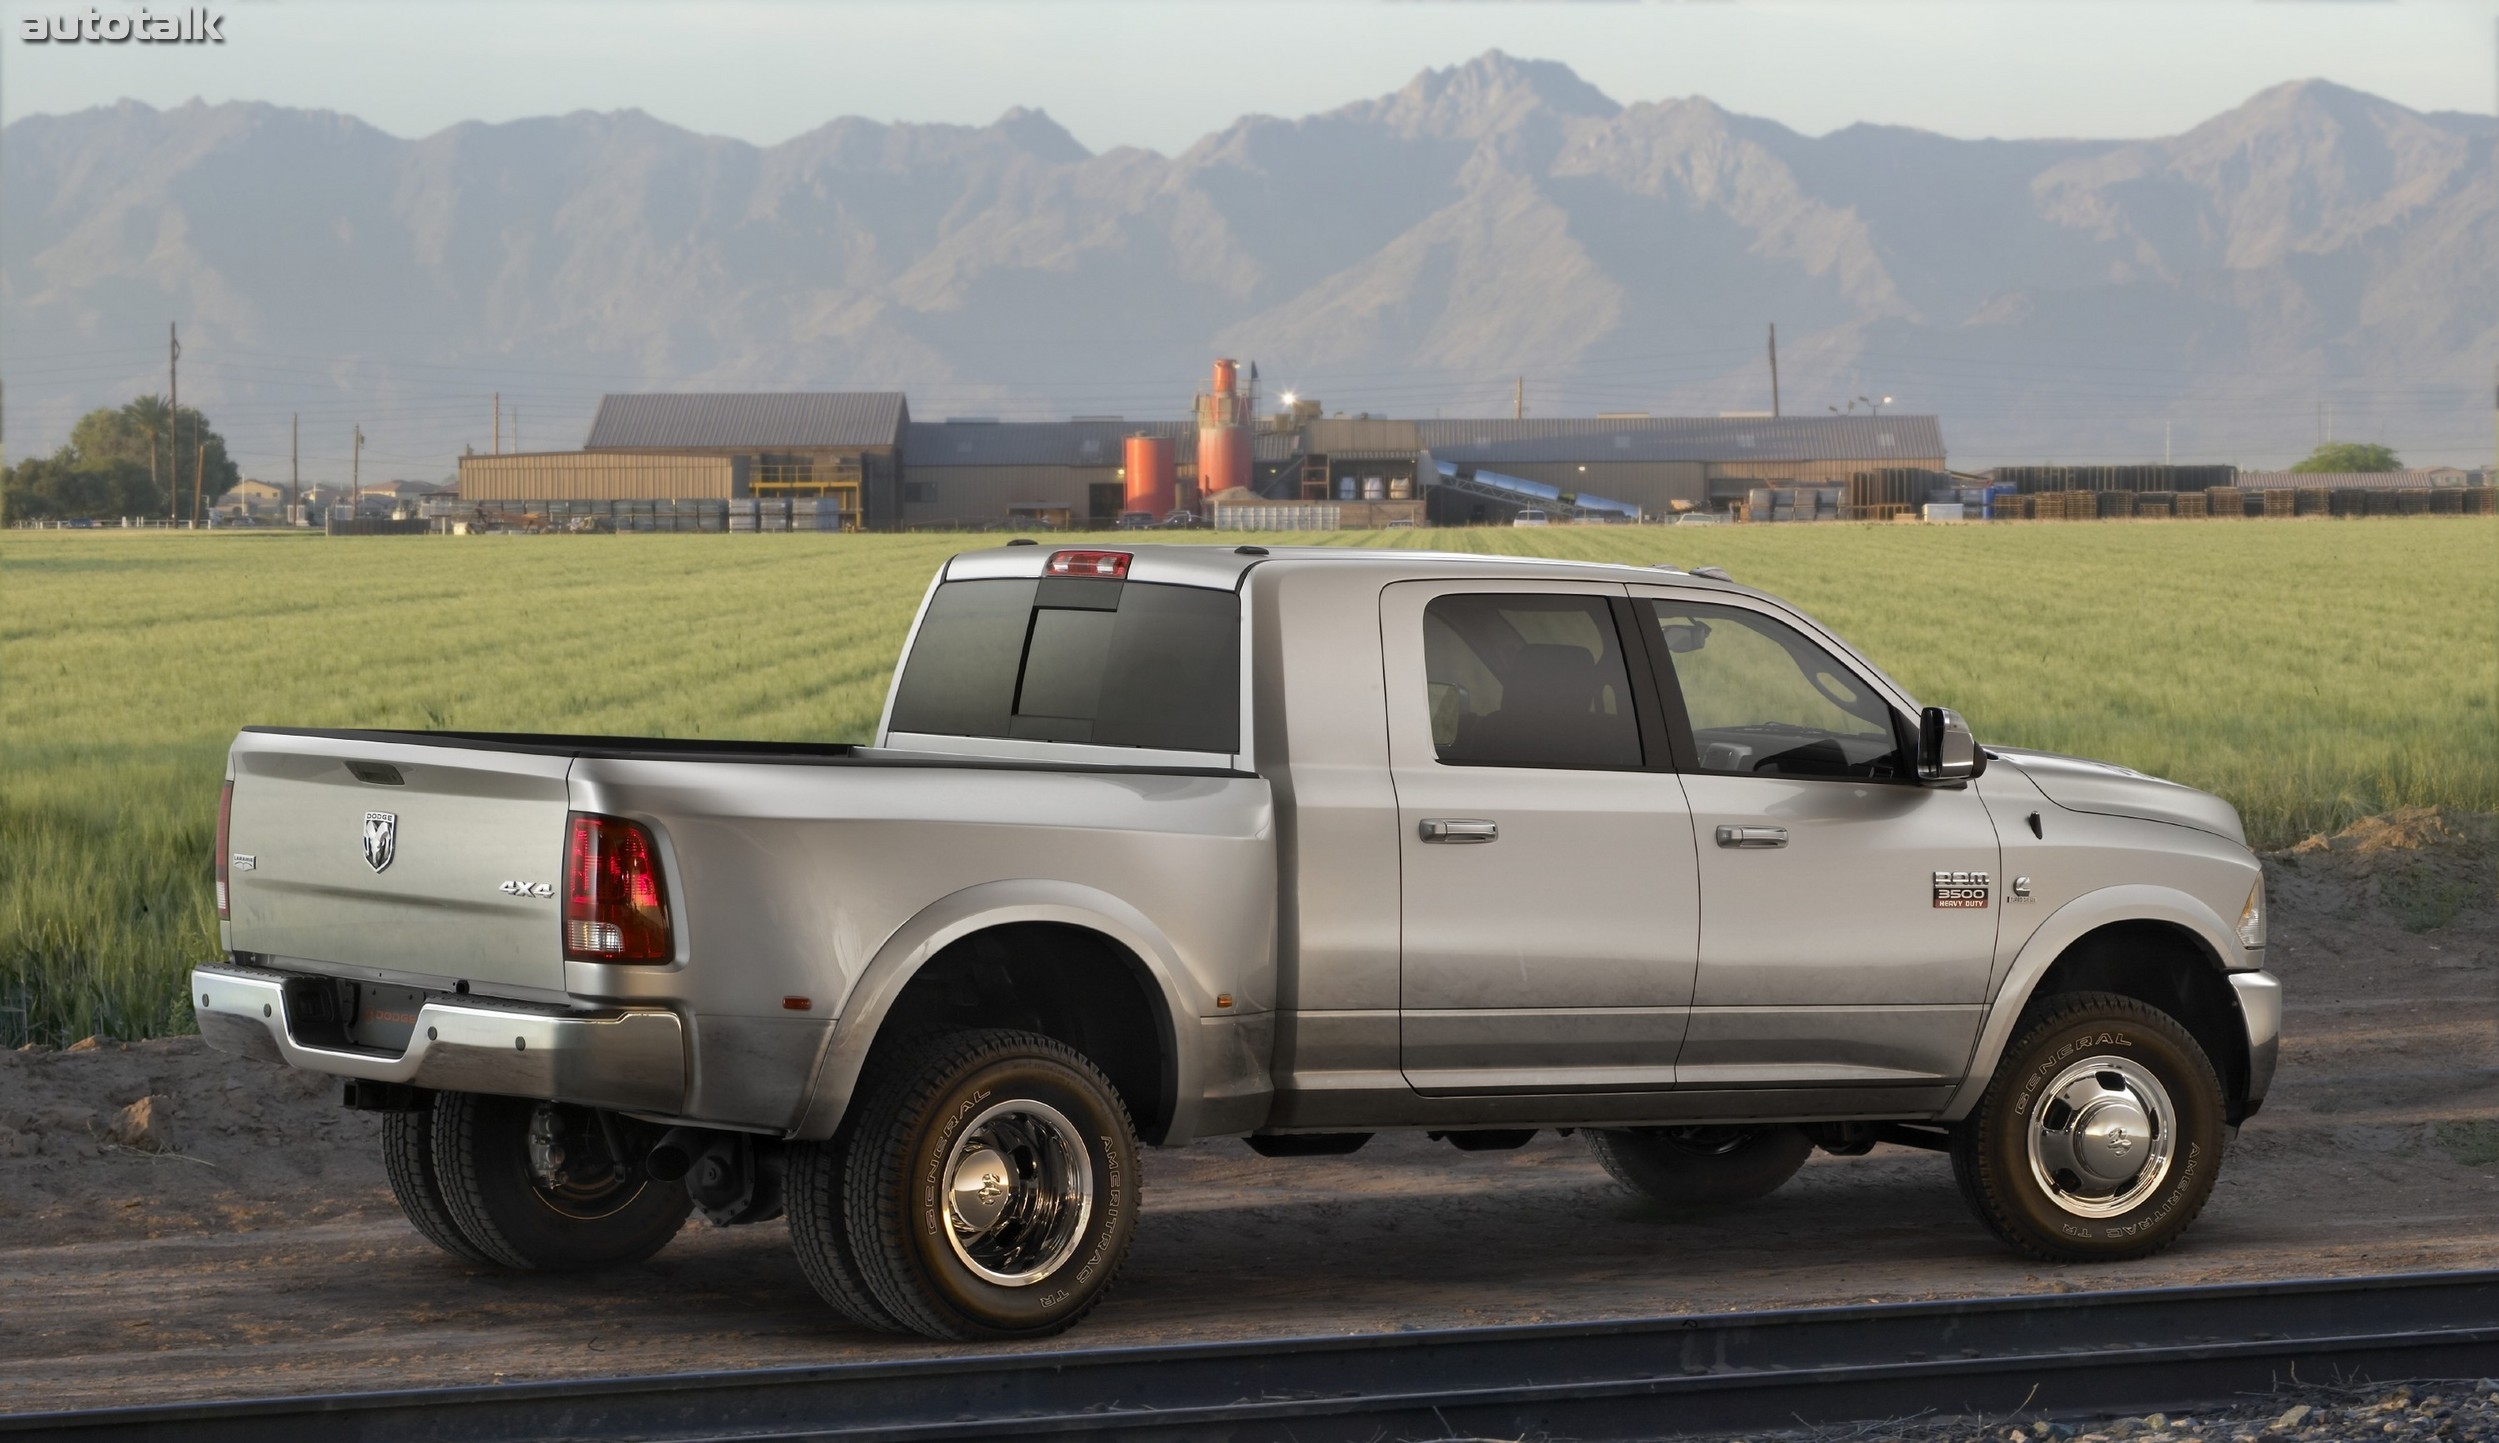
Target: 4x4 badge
{"points": [[381, 839]]}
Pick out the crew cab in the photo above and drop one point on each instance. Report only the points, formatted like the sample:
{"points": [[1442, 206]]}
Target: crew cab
{"points": [[1174, 842]]}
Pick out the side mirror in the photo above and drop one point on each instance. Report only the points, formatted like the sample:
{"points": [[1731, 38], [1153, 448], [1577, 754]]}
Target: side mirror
{"points": [[1946, 750]]}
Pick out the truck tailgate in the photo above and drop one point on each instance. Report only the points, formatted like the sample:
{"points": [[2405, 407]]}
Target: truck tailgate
{"points": [[405, 858]]}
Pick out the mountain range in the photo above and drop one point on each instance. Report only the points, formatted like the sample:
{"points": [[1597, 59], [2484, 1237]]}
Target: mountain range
{"points": [[2316, 258]]}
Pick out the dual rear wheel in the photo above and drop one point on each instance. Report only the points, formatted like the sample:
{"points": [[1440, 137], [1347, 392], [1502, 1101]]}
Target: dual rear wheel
{"points": [[985, 1186], [512, 1182]]}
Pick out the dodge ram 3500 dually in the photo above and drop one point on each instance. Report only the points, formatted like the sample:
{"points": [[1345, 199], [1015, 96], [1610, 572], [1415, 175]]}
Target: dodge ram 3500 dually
{"points": [[1162, 843]]}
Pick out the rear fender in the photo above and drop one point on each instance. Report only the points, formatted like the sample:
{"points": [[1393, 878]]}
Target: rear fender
{"points": [[2135, 902], [977, 909]]}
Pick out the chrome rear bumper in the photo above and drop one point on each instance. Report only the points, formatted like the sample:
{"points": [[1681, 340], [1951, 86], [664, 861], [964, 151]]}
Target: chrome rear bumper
{"points": [[628, 1058]]}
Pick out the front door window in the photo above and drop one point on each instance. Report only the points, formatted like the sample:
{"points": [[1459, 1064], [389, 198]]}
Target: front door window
{"points": [[1765, 701]]}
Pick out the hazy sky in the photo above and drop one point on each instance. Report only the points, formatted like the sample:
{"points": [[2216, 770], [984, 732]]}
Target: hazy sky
{"points": [[1162, 75]]}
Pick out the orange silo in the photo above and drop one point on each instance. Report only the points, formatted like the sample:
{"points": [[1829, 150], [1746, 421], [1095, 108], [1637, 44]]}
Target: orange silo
{"points": [[1223, 435], [1152, 486]]}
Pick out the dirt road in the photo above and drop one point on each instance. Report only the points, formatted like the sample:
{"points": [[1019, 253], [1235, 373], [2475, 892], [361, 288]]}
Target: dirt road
{"points": [[262, 1255]]}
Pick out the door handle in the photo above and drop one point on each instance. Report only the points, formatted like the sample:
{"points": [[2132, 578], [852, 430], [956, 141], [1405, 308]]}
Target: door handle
{"points": [[1452, 829], [1752, 836]]}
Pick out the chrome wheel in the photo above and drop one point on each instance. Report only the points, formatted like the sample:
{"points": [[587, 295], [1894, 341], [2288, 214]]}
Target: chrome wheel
{"points": [[1019, 1191], [2101, 1136]]}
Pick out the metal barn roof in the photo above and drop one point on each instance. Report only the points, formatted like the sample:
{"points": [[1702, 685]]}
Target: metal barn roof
{"points": [[1684, 438], [748, 420], [1034, 443]]}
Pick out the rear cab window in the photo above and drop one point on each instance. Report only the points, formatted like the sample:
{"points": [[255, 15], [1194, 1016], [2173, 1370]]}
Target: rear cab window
{"points": [[1135, 665]]}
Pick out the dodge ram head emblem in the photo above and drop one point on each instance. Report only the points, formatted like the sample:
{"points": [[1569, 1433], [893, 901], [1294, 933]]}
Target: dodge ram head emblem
{"points": [[381, 839]]}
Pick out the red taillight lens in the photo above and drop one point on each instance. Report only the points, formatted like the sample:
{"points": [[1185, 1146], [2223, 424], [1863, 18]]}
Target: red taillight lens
{"points": [[225, 855], [615, 909], [1110, 565]]}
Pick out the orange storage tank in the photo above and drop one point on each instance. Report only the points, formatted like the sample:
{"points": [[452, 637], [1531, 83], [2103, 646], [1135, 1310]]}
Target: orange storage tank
{"points": [[1152, 483]]}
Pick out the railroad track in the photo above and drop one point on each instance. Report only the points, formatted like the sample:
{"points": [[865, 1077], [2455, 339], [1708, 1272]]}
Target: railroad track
{"points": [[1646, 1378]]}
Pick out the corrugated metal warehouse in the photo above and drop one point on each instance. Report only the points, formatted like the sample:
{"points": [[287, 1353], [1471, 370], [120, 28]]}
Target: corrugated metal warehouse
{"points": [[594, 476], [1057, 473], [1655, 462]]}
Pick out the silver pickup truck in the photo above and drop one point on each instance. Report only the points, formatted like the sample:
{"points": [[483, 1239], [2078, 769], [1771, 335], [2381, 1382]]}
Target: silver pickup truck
{"points": [[1174, 842]]}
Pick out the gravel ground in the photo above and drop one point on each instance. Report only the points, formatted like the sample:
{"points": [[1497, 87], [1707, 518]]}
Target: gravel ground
{"points": [[176, 1223]]}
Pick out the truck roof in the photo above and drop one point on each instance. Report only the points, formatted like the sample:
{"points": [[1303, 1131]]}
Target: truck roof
{"points": [[1200, 564]]}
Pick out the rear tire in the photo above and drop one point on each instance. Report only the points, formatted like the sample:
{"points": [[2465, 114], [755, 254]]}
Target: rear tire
{"points": [[2099, 1137], [991, 1187], [408, 1161], [818, 1172], [1700, 1167], [537, 1186]]}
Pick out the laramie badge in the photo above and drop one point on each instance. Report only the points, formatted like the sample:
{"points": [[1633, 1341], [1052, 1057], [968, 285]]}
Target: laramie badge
{"points": [[1960, 889], [381, 839]]}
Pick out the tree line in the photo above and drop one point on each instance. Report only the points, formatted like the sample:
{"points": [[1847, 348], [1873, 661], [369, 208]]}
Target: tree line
{"points": [[142, 459]]}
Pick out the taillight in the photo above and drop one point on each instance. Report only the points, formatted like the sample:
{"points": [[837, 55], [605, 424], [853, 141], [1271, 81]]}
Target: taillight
{"points": [[1112, 565], [615, 909], [225, 840]]}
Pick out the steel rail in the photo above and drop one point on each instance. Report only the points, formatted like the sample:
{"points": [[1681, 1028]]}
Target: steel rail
{"points": [[2125, 1351]]}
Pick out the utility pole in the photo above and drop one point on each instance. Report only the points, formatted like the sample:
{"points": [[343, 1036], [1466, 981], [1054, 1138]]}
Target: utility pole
{"points": [[295, 467], [355, 478], [199, 477], [173, 421], [2164, 443], [1518, 401], [498, 423], [1774, 369]]}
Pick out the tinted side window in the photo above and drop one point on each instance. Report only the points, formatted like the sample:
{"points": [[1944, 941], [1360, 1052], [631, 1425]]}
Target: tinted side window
{"points": [[1137, 665], [1528, 681], [1764, 699]]}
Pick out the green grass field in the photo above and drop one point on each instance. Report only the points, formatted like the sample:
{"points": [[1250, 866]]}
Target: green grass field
{"points": [[2310, 671]]}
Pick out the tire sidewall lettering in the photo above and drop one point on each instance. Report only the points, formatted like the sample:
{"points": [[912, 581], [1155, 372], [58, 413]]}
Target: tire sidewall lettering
{"points": [[933, 1162]]}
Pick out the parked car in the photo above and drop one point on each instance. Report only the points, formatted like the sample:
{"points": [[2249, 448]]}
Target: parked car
{"points": [[1136, 521], [1531, 516], [1158, 844]]}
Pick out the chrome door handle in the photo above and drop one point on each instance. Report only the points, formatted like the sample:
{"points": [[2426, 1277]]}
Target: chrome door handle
{"points": [[1752, 836], [1451, 829]]}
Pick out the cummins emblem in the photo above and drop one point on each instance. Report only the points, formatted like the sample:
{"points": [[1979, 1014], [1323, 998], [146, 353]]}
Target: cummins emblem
{"points": [[381, 839], [1960, 889]]}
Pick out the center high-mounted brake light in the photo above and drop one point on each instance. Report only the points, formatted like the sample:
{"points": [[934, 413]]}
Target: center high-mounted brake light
{"points": [[615, 909], [225, 858], [1110, 565]]}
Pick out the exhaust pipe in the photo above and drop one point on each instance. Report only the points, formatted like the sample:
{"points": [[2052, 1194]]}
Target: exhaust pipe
{"points": [[672, 1157]]}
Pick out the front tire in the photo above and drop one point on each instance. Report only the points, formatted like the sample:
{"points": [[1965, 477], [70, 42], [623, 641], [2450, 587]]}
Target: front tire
{"points": [[1699, 1167], [546, 1186], [2099, 1137], [991, 1187]]}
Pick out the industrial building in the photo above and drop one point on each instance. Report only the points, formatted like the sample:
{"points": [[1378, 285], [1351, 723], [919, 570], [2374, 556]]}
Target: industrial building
{"points": [[1060, 474], [857, 461], [832, 447]]}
